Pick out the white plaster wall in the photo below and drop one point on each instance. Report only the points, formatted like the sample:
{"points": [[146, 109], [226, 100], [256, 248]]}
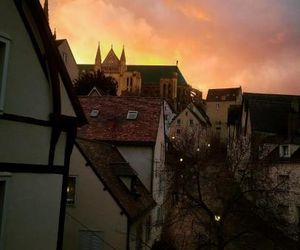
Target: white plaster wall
{"points": [[94, 208], [66, 106], [159, 176], [70, 63], [28, 144], [140, 159], [24, 143], [169, 116], [32, 211], [27, 91]]}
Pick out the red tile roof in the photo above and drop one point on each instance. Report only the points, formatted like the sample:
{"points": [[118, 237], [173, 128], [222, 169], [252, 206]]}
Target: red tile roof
{"points": [[111, 124]]}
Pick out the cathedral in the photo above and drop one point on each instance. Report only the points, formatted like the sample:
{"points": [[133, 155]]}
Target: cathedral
{"points": [[165, 81]]}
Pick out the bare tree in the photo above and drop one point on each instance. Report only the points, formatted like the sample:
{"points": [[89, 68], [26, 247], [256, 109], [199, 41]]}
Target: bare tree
{"points": [[224, 197]]}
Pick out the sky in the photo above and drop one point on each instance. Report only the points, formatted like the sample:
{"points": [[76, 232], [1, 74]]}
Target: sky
{"points": [[217, 43]]}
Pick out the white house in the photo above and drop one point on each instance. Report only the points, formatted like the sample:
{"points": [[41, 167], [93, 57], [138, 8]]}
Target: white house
{"points": [[107, 205], [191, 126], [135, 125], [38, 120], [68, 58]]}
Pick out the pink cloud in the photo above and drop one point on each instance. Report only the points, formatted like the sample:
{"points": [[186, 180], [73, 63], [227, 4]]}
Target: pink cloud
{"points": [[255, 43]]}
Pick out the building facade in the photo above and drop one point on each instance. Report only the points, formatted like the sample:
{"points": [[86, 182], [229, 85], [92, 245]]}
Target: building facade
{"points": [[165, 81], [218, 102], [38, 120]]}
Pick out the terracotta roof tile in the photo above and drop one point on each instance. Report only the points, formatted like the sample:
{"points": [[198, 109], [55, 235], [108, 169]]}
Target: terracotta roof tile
{"points": [[112, 124]]}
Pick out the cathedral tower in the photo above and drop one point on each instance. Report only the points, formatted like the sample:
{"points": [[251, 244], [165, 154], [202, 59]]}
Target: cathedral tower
{"points": [[123, 67], [98, 61]]}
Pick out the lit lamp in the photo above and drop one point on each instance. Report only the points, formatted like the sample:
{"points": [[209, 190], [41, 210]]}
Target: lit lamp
{"points": [[217, 218]]}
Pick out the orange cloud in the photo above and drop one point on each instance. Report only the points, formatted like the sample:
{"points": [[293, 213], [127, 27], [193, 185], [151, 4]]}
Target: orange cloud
{"points": [[255, 43]]}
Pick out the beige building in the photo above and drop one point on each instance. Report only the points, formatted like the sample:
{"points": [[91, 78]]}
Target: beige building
{"points": [[38, 120], [165, 81], [218, 102]]}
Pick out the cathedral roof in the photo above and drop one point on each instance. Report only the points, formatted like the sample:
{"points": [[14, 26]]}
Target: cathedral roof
{"points": [[111, 58], [151, 74]]}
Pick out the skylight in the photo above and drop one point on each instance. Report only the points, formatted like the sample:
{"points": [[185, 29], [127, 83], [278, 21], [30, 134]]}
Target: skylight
{"points": [[132, 115], [94, 113]]}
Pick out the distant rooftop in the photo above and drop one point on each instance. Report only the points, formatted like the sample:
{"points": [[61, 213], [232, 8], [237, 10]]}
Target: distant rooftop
{"points": [[223, 94], [270, 112]]}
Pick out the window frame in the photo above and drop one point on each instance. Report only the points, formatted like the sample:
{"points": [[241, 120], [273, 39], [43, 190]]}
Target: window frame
{"points": [[72, 204], [5, 40]]}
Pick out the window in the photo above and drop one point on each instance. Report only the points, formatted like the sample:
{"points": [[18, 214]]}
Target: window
{"points": [[4, 52], [71, 189], [284, 151], [90, 240], [178, 121], [191, 122], [94, 113], [132, 115], [218, 105], [178, 131]]}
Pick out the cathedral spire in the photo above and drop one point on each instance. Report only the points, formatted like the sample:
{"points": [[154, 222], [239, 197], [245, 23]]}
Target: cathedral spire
{"points": [[46, 10], [98, 61], [123, 57]]}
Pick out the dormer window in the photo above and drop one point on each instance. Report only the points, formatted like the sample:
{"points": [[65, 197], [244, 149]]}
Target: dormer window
{"points": [[284, 151], [94, 113], [132, 115]]}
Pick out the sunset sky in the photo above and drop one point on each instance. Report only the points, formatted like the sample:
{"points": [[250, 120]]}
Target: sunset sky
{"points": [[218, 43]]}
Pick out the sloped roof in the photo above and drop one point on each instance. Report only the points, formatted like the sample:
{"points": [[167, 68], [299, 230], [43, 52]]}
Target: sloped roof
{"points": [[60, 41], [151, 74], [269, 112], [223, 94], [201, 110], [111, 58], [112, 125], [48, 54], [104, 159]]}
